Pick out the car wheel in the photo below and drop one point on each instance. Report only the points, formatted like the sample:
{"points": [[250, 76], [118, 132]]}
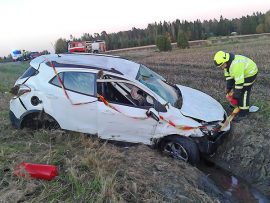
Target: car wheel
{"points": [[181, 148], [39, 120]]}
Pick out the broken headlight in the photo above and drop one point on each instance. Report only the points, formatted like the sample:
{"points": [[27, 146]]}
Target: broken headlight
{"points": [[211, 129]]}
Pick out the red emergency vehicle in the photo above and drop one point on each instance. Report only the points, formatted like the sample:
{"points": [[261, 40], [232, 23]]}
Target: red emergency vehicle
{"points": [[87, 46]]}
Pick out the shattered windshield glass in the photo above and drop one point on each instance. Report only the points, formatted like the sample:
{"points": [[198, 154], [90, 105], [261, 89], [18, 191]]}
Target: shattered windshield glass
{"points": [[158, 85]]}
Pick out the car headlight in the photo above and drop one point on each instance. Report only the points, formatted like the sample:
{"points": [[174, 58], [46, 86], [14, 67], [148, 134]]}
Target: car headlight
{"points": [[211, 129]]}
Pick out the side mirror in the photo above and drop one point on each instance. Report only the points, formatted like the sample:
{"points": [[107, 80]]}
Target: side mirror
{"points": [[153, 114], [160, 107]]}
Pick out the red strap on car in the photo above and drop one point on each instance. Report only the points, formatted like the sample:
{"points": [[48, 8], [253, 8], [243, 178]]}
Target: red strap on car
{"points": [[180, 127], [114, 108], [62, 86], [230, 118]]}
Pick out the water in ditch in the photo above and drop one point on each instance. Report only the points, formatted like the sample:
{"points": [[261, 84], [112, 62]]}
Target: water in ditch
{"points": [[231, 185]]}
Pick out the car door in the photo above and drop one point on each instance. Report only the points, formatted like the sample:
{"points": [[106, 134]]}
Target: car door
{"points": [[121, 118], [76, 111]]}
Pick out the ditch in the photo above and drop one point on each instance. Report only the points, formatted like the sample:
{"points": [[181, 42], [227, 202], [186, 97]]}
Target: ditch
{"points": [[232, 186]]}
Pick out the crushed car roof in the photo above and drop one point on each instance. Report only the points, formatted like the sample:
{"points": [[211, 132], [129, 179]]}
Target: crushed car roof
{"points": [[105, 62]]}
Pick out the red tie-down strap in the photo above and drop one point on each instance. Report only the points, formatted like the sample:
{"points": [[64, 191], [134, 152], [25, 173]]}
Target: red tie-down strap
{"points": [[182, 127], [114, 108], [142, 118], [223, 125], [81, 103], [230, 118], [62, 86]]}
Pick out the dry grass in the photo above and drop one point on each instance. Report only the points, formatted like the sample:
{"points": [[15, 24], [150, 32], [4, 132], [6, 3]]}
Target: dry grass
{"points": [[90, 170], [94, 171]]}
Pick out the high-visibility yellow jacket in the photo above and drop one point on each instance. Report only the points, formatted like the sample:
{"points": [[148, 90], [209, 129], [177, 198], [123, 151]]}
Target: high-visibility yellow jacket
{"points": [[241, 67]]}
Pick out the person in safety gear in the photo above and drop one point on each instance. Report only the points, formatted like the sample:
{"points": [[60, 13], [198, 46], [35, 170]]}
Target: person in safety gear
{"points": [[240, 73]]}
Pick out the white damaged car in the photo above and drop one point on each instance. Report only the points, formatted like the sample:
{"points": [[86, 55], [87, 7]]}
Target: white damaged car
{"points": [[117, 99]]}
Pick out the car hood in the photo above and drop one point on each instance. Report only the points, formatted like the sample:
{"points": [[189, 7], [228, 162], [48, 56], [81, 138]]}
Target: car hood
{"points": [[199, 105]]}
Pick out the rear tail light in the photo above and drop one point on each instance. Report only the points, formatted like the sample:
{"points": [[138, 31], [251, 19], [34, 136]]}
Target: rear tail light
{"points": [[19, 90]]}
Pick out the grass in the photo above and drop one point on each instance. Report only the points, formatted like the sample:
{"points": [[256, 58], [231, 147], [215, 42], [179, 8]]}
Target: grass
{"points": [[91, 170], [77, 180], [9, 71], [263, 116]]}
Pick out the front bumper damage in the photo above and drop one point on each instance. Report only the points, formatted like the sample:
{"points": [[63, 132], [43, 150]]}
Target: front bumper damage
{"points": [[207, 146]]}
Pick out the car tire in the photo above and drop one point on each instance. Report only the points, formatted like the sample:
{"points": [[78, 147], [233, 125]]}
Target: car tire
{"points": [[181, 148], [39, 120]]}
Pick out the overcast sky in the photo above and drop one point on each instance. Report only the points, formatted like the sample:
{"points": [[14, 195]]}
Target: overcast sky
{"points": [[35, 25]]}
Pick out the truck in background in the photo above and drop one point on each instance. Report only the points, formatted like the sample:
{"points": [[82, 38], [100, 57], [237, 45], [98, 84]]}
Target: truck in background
{"points": [[97, 46]]}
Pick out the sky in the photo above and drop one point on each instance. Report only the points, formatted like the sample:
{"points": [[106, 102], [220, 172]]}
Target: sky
{"points": [[35, 25]]}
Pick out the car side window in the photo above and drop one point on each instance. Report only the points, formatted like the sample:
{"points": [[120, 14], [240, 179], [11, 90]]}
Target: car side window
{"points": [[80, 82], [55, 80], [125, 93], [29, 72]]}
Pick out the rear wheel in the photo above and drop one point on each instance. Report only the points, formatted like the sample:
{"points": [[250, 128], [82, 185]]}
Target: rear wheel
{"points": [[39, 120], [181, 148]]}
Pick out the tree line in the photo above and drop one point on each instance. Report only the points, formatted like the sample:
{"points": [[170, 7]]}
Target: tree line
{"points": [[178, 30]]}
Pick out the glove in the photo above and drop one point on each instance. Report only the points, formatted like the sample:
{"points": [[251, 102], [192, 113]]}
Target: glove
{"points": [[232, 100]]}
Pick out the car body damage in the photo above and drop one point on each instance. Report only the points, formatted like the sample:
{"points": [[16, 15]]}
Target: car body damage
{"points": [[116, 99], [199, 105]]}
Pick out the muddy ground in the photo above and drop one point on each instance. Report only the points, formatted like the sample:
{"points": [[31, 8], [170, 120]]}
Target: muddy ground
{"points": [[246, 152], [94, 171]]}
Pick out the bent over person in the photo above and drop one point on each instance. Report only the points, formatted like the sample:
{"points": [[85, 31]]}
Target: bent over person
{"points": [[240, 73]]}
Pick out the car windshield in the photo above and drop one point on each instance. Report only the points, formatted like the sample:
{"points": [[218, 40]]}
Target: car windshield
{"points": [[158, 85]]}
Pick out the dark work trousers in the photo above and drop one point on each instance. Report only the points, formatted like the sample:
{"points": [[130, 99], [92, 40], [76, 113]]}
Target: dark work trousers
{"points": [[243, 101]]}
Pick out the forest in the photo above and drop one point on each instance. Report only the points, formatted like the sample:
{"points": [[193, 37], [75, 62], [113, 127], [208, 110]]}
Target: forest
{"points": [[197, 30]]}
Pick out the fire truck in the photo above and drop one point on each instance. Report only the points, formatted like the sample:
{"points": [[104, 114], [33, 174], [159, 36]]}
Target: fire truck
{"points": [[87, 46]]}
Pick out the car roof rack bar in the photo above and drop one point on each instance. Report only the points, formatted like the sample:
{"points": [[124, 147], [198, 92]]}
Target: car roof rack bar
{"points": [[63, 65]]}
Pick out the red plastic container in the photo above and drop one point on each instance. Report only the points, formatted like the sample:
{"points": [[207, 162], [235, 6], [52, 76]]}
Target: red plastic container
{"points": [[37, 171]]}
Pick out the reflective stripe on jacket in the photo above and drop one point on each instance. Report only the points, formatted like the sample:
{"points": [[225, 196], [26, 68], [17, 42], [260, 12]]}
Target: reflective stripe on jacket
{"points": [[240, 68]]}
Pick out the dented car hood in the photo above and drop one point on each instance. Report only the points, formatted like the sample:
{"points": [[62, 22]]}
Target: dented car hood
{"points": [[199, 105]]}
